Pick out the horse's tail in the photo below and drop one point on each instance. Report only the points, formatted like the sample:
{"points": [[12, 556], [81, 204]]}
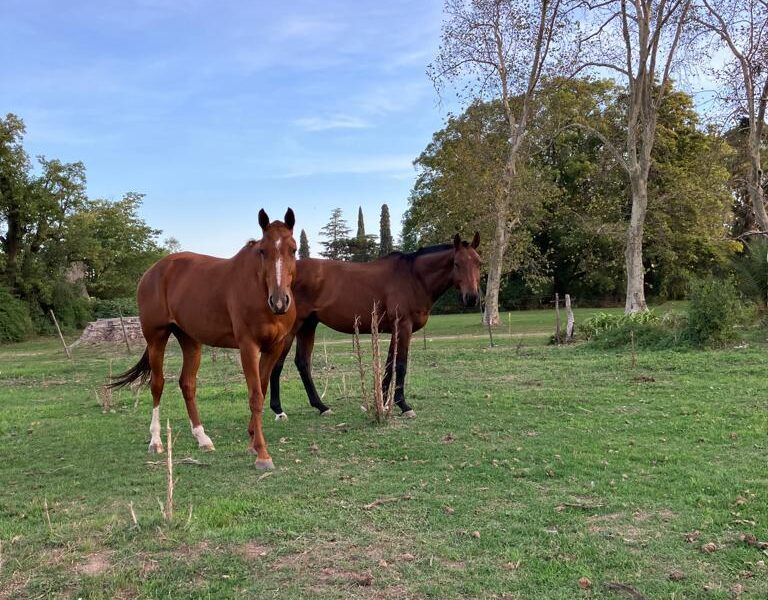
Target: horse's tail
{"points": [[140, 370]]}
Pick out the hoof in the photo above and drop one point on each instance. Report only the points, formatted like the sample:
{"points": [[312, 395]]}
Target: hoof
{"points": [[264, 464], [410, 414], [207, 448], [156, 448], [281, 417], [326, 413]]}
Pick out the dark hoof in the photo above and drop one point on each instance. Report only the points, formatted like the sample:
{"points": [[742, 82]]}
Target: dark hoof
{"points": [[264, 464]]}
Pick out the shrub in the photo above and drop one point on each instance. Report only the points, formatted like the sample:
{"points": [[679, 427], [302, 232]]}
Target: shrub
{"points": [[650, 336], [714, 312], [15, 321], [73, 310], [109, 309], [751, 269], [603, 322]]}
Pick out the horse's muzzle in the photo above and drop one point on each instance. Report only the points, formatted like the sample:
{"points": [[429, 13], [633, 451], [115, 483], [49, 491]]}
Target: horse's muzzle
{"points": [[279, 303], [470, 299]]}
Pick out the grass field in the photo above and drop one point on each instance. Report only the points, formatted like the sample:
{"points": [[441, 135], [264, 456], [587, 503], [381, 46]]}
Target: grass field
{"points": [[528, 468]]}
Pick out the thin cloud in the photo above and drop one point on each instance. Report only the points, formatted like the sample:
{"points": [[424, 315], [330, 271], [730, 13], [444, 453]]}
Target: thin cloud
{"points": [[396, 166], [332, 122]]}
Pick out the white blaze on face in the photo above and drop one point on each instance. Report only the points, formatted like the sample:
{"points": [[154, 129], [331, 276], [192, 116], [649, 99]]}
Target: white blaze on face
{"points": [[154, 427], [279, 264]]}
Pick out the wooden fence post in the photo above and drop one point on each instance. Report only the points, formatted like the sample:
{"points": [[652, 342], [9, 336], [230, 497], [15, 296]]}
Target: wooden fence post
{"points": [[571, 321]]}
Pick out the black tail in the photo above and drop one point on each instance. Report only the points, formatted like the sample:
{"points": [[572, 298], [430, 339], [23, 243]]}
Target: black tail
{"points": [[140, 370]]}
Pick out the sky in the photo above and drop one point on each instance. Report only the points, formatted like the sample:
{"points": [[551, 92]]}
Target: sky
{"points": [[217, 109]]}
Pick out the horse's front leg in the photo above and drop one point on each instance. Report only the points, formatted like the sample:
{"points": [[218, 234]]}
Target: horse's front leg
{"points": [[250, 356], [404, 333]]}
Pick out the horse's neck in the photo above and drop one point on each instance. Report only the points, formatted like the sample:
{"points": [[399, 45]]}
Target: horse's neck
{"points": [[247, 260], [435, 272]]}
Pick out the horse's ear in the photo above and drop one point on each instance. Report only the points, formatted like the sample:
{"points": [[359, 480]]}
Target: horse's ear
{"points": [[290, 219], [263, 219], [457, 241], [476, 240]]}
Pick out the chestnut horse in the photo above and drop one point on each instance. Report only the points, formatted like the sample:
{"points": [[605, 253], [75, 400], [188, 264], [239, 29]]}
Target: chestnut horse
{"points": [[405, 286], [242, 302]]}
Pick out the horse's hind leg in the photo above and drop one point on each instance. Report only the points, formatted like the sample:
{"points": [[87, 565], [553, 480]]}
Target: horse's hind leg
{"points": [[305, 343], [400, 368], [192, 351], [274, 381], [156, 351]]}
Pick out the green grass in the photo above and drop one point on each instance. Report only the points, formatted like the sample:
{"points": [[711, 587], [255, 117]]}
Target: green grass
{"points": [[521, 322], [567, 462]]}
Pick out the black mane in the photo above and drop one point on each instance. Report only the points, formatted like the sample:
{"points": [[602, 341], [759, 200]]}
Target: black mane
{"points": [[411, 256]]}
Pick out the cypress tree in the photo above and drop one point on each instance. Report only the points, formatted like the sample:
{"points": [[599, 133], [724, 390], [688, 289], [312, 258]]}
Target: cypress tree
{"points": [[385, 233], [303, 245]]}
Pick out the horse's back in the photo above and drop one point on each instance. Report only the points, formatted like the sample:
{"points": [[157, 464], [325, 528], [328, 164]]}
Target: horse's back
{"points": [[337, 291], [186, 290]]}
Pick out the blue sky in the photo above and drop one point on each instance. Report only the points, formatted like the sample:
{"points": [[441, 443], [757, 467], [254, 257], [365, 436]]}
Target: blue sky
{"points": [[216, 109]]}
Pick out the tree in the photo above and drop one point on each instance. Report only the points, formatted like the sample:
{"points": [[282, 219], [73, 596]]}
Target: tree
{"points": [[638, 41], [303, 245], [171, 245], [335, 233], [740, 26], [578, 204], [502, 47], [362, 247], [33, 212], [385, 232], [460, 178], [114, 243]]}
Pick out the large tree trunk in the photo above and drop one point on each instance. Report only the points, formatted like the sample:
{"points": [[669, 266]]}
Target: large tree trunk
{"points": [[491, 314], [633, 254]]}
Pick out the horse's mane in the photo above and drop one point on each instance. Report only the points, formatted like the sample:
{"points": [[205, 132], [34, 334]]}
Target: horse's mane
{"points": [[411, 256]]}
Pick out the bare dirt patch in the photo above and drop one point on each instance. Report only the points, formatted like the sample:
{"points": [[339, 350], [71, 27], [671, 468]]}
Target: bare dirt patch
{"points": [[194, 551], [14, 587], [95, 564], [254, 550], [349, 567]]}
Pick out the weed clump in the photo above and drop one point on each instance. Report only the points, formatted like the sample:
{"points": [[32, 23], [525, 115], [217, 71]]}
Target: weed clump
{"points": [[714, 313]]}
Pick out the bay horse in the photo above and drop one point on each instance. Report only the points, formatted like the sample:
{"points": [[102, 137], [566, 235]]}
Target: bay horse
{"points": [[405, 286], [242, 302]]}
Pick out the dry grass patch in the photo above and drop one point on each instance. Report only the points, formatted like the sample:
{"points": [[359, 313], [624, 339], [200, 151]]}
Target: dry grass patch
{"points": [[638, 529]]}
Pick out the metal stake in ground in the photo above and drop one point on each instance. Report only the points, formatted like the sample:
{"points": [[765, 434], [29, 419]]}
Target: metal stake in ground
{"points": [[61, 337], [125, 335]]}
